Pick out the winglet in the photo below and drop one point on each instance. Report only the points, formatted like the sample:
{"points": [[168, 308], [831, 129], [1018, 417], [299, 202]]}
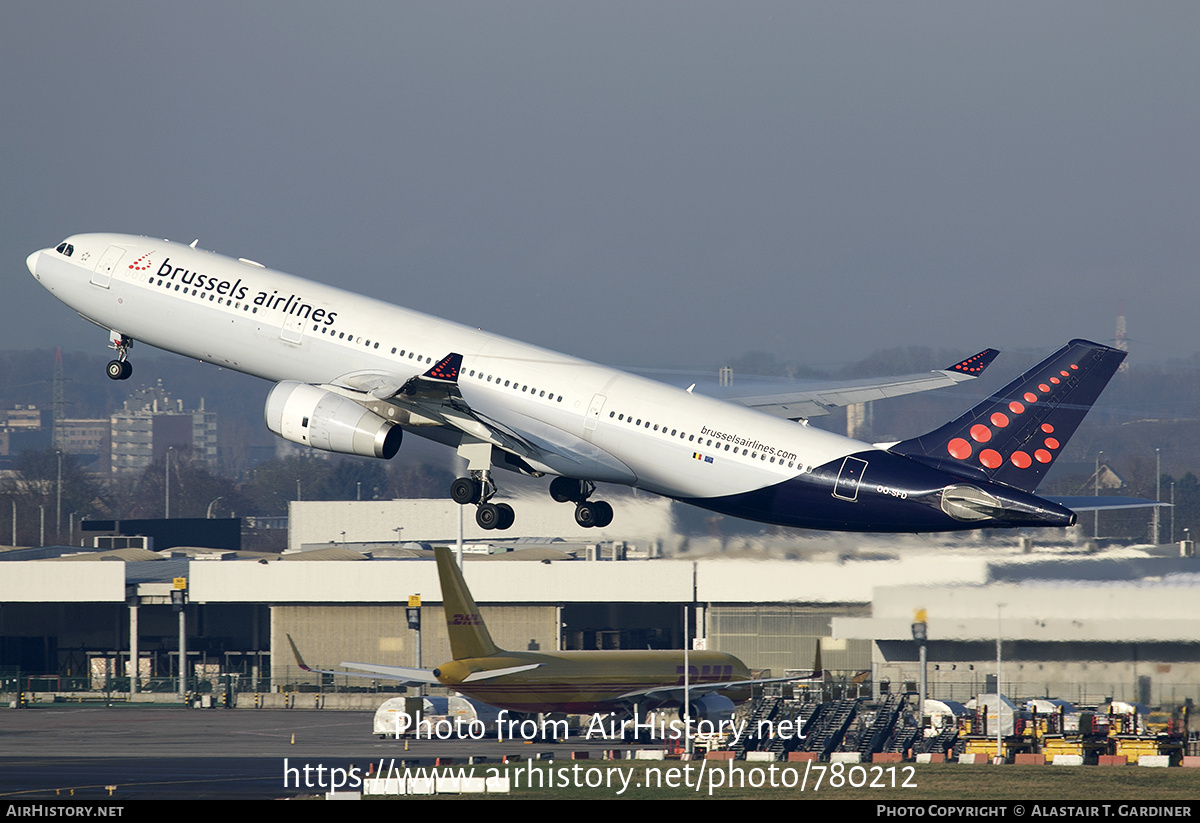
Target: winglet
{"points": [[975, 364], [446, 370], [299, 660]]}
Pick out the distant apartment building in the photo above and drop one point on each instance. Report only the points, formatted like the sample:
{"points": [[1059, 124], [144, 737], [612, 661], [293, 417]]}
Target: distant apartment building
{"points": [[87, 439], [23, 428], [151, 423]]}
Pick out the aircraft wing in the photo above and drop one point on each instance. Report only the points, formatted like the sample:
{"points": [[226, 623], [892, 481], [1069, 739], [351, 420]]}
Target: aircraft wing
{"points": [[821, 401], [367, 670], [433, 399], [675, 693]]}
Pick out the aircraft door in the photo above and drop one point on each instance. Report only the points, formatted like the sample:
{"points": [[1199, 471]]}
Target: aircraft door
{"points": [[102, 274], [849, 477], [293, 329], [593, 415]]}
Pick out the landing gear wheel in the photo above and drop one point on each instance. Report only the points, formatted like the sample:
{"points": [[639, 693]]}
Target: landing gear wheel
{"points": [[487, 516], [585, 515], [565, 489], [464, 490], [118, 369], [507, 516], [604, 514]]}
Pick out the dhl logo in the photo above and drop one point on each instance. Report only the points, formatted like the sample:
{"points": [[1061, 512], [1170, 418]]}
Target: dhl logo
{"points": [[467, 620]]}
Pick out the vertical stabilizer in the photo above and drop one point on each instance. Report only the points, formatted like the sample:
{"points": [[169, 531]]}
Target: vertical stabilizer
{"points": [[1015, 435], [468, 635]]}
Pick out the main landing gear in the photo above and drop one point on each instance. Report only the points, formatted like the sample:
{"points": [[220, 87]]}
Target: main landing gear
{"points": [[121, 368], [589, 514], [479, 489]]}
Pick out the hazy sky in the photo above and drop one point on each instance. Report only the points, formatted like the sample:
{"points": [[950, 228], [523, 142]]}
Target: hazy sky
{"points": [[643, 183]]}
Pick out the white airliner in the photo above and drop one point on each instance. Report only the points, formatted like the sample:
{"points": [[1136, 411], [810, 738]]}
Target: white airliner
{"points": [[353, 373]]}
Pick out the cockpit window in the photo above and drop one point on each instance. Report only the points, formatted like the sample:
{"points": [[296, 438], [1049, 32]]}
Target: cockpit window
{"points": [[65, 249]]}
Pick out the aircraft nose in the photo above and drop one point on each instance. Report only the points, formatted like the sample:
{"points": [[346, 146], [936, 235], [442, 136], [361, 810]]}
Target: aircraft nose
{"points": [[31, 262]]}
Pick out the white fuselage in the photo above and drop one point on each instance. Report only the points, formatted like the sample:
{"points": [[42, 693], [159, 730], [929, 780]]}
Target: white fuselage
{"points": [[590, 421]]}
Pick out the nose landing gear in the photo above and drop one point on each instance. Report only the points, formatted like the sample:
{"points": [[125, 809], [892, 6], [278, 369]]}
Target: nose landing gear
{"points": [[121, 368]]}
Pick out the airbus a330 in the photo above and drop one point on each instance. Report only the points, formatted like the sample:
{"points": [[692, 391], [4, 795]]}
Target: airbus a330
{"points": [[352, 374]]}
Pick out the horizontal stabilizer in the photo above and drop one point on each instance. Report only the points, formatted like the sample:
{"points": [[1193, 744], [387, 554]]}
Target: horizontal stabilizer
{"points": [[1093, 504], [389, 672], [367, 670]]}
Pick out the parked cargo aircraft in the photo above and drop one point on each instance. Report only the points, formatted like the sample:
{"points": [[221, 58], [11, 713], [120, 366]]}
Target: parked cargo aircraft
{"points": [[352, 374], [570, 681]]}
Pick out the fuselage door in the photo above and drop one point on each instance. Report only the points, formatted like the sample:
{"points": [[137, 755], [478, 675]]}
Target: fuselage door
{"points": [[104, 269], [849, 477], [593, 415], [293, 329]]}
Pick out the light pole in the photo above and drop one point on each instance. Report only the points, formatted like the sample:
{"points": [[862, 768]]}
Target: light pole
{"points": [[920, 633], [58, 504], [1157, 489], [167, 478], [999, 634]]}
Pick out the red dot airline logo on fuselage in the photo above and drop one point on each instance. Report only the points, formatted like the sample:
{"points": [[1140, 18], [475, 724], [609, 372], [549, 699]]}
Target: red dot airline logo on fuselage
{"points": [[142, 263]]}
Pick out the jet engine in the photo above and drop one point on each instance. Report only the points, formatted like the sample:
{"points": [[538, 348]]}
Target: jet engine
{"points": [[307, 414], [711, 707]]}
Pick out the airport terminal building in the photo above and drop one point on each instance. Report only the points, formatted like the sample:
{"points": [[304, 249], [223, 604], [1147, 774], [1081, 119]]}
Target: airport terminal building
{"points": [[1074, 623]]}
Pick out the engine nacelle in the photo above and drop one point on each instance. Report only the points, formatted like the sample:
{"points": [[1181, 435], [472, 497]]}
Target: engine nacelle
{"points": [[307, 414], [711, 707]]}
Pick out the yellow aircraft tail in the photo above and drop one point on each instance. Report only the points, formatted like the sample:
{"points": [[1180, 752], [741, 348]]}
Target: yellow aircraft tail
{"points": [[469, 636]]}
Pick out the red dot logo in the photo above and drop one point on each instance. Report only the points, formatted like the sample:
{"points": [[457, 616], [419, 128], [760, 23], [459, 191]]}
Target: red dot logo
{"points": [[1043, 388], [1030, 397], [1047, 428], [981, 433], [999, 419], [1051, 443], [1016, 408], [959, 448], [1042, 456], [1021, 460], [990, 458], [140, 264]]}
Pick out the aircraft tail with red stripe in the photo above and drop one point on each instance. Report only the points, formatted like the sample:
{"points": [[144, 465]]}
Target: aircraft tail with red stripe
{"points": [[1015, 435]]}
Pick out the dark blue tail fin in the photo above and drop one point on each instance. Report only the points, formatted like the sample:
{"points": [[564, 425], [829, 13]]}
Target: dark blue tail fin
{"points": [[1015, 435]]}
